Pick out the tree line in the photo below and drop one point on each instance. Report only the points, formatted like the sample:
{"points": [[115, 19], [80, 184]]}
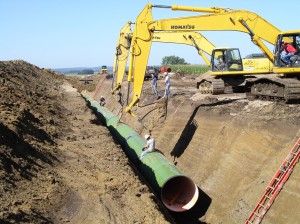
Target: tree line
{"points": [[173, 60], [81, 72]]}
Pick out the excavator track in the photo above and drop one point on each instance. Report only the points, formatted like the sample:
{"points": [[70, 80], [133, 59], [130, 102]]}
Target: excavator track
{"points": [[211, 86], [274, 89]]}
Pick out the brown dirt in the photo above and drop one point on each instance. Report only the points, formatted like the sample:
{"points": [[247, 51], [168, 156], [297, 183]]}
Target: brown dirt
{"points": [[60, 164]]}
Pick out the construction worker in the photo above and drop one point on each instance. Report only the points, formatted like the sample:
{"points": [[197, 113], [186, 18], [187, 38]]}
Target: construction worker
{"points": [[102, 101], [287, 51], [150, 146], [154, 84], [167, 83]]}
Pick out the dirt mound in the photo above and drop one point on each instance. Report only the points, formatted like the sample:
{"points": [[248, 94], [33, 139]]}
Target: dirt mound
{"points": [[58, 163], [30, 123]]}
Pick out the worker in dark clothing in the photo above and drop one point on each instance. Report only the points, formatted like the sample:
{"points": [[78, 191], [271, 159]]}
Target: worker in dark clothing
{"points": [[154, 84], [102, 101]]}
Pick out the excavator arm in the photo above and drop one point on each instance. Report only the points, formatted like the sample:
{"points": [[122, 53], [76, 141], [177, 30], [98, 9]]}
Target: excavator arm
{"points": [[122, 52], [191, 38], [217, 20]]}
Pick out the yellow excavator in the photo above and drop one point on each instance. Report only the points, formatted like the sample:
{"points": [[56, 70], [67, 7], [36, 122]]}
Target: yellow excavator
{"points": [[203, 46], [282, 84], [124, 43]]}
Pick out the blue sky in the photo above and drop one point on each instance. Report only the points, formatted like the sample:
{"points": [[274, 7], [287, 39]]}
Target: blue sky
{"points": [[84, 33]]}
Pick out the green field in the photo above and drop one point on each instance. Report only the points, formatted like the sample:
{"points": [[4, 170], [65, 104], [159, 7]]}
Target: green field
{"points": [[189, 69]]}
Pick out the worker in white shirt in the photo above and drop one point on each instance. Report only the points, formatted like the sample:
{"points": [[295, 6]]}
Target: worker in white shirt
{"points": [[150, 146]]}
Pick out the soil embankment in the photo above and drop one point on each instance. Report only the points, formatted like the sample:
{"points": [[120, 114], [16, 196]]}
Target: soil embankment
{"points": [[60, 164]]}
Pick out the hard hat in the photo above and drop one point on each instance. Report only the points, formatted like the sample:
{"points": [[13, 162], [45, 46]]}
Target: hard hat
{"points": [[147, 136]]}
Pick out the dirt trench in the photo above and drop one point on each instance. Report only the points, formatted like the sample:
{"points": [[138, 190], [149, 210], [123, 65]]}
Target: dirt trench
{"points": [[60, 164], [229, 146], [104, 188]]}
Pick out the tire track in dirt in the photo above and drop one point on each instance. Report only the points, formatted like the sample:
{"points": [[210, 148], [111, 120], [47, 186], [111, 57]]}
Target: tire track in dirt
{"points": [[76, 169]]}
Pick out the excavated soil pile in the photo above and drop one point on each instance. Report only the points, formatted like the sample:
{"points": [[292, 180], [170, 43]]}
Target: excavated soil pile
{"points": [[58, 163], [30, 123]]}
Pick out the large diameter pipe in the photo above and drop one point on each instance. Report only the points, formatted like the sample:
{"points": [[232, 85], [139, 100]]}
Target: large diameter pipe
{"points": [[177, 191]]}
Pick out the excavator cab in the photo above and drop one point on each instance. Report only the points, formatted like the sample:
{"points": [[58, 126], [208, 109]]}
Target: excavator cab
{"points": [[294, 40], [226, 59]]}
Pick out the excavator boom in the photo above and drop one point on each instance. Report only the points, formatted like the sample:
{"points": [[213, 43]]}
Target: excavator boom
{"points": [[191, 38], [220, 19]]}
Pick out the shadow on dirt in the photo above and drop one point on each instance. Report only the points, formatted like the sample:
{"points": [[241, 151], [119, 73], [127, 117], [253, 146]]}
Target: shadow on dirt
{"points": [[23, 217], [97, 122], [186, 135], [19, 155], [190, 129], [31, 124], [193, 215]]}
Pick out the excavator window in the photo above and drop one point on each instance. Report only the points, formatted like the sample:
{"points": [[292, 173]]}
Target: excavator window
{"points": [[277, 49], [219, 60], [234, 60], [227, 59], [297, 41], [293, 39]]}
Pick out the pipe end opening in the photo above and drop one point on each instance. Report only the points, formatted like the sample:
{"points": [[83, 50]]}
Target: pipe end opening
{"points": [[179, 194]]}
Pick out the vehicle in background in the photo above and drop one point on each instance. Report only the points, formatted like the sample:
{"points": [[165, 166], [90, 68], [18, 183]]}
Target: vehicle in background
{"points": [[109, 76], [150, 70], [103, 70], [164, 69]]}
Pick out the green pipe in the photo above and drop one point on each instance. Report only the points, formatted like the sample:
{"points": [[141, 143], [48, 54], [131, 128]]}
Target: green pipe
{"points": [[177, 191]]}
